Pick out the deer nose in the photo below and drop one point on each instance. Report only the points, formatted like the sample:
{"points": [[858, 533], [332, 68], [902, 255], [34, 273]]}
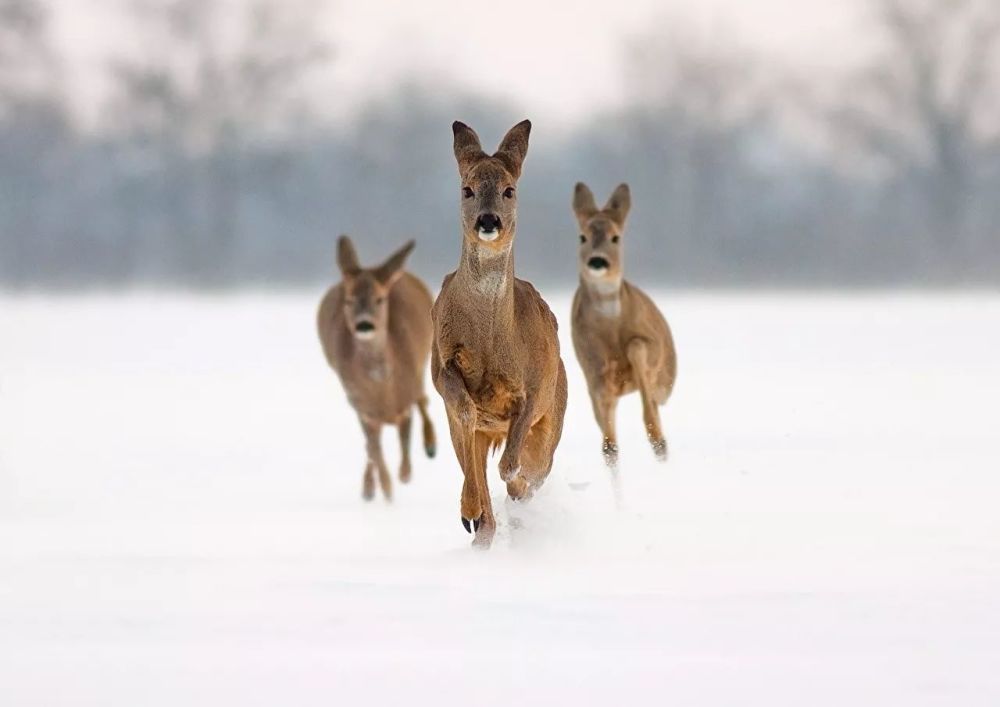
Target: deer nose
{"points": [[488, 225], [364, 327], [598, 264]]}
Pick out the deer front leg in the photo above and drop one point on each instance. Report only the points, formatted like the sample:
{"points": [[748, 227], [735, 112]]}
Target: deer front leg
{"points": [[510, 460], [404, 444], [605, 404], [638, 356], [462, 424], [373, 446]]}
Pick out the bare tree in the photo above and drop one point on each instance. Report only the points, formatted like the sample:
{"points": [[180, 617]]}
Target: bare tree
{"points": [[33, 129], [215, 75], [928, 106]]}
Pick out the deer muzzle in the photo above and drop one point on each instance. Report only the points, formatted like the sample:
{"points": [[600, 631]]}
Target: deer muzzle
{"points": [[488, 227], [364, 329], [598, 265]]}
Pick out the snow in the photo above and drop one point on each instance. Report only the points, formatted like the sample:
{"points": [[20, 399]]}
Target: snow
{"points": [[181, 521]]}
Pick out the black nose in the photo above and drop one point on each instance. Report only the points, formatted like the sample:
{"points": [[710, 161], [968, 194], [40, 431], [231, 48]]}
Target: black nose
{"points": [[598, 263], [488, 222], [364, 327]]}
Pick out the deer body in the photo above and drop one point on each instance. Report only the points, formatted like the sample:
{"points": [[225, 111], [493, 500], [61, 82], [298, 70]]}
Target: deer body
{"points": [[621, 339], [495, 356], [375, 330]]}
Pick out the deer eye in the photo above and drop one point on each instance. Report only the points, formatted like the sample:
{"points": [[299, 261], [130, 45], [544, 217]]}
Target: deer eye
{"points": [[379, 300], [508, 193], [467, 192], [614, 239], [583, 238]]}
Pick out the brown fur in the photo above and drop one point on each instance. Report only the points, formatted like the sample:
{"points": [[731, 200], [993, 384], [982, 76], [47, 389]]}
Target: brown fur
{"points": [[383, 374], [622, 341], [495, 357]]}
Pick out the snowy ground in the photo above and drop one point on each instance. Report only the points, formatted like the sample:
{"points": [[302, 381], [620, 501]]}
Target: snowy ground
{"points": [[181, 522]]}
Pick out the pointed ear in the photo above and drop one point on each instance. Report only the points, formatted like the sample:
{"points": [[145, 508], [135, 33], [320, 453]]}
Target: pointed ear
{"points": [[619, 204], [584, 205], [388, 272], [468, 150], [347, 257], [514, 147]]}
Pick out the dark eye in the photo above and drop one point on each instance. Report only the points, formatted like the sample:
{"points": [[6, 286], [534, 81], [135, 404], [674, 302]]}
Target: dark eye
{"points": [[508, 193], [467, 192], [583, 238], [614, 239], [379, 300]]}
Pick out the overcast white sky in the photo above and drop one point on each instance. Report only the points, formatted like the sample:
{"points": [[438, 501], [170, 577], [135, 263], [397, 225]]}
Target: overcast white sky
{"points": [[560, 59]]}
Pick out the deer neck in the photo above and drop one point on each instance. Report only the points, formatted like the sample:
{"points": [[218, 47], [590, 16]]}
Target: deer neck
{"points": [[488, 276], [371, 355], [605, 295]]}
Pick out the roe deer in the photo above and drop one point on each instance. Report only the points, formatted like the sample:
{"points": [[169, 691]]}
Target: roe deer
{"points": [[622, 341], [375, 328], [495, 358]]}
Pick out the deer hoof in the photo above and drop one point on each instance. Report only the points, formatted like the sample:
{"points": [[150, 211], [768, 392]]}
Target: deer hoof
{"points": [[660, 450], [508, 470], [471, 526], [431, 451], [610, 451]]}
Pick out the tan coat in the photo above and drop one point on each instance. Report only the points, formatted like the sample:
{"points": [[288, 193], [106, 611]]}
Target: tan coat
{"points": [[495, 358], [622, 341], [375, 329]]}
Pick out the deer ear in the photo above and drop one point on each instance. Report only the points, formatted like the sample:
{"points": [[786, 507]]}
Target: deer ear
{"points": [[584, 205], [514, 147], [347, 257], [468, 149], [619, 204], [392, 269]]}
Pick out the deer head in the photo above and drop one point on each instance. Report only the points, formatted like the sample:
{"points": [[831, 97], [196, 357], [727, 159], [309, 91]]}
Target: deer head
{"points": [[366, 290], [601, 231], [489, 185]]}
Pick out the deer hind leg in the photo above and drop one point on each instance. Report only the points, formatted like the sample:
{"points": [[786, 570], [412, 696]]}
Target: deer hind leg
{"points": [[368, 485], [605, 405], [638, 356], [405, 471], [374, 447], [487, 526], [430, 441]]}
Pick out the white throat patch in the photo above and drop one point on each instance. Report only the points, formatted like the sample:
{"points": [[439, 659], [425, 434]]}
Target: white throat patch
{"points": [[492, 282]]}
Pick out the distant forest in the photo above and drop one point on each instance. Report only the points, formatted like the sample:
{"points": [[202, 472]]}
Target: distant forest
{"points": [[216, 169]]}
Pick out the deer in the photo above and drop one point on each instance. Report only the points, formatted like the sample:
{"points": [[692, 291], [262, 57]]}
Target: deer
{"points": [[495, 356], [621, 339], [375, 330]]}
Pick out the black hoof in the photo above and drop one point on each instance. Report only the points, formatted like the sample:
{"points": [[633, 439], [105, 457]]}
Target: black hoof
{"points": [[471, 526], [431, 451], [466, 524]]}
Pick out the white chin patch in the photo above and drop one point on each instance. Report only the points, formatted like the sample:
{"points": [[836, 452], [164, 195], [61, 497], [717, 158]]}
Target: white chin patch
{"points": [[488, 235], [364, 335], [597, 272]]}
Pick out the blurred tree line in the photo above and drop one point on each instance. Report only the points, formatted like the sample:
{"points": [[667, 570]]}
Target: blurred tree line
{"points": [[212, 167]]}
